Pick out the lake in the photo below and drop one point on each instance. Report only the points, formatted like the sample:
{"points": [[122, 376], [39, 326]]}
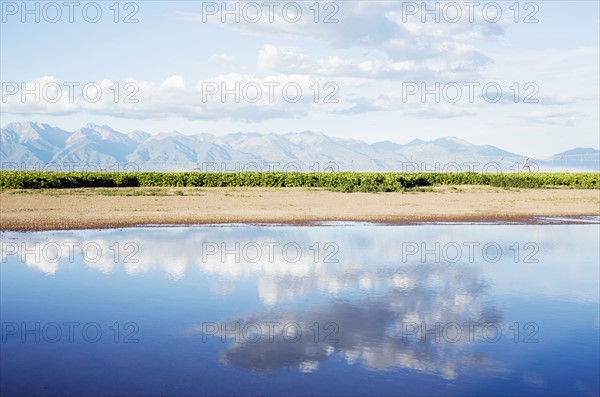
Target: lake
{"points": [[336, 309]]}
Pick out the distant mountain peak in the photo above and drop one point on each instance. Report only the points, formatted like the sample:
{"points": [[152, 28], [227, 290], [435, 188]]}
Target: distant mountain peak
{"points": [[24, 125], [308, 137], [579, 152], [100, 128], [138, 136], [455, 140], [29, 142], [166, 135]]}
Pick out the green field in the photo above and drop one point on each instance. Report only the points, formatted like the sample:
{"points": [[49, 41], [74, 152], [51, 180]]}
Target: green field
{"points": [[336, 181]]}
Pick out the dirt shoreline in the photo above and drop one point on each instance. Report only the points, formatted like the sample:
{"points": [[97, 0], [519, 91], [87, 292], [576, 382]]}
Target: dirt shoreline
{"points": [[67, 209]]}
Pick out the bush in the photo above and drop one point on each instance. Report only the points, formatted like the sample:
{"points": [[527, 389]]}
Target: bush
{"points": [[336, 181]]}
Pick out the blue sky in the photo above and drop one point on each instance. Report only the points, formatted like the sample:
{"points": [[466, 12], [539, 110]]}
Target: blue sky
{"points": [[371, 60]]}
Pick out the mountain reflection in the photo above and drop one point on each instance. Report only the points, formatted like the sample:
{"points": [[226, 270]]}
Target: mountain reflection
{"points": [[394, 330]]}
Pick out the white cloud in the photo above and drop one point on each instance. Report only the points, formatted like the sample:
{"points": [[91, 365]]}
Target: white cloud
{"points": [[393, 44], [440, 112], [456, 62], [563, 119], [229, 96]]}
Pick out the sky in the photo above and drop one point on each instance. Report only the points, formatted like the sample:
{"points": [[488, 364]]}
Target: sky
{"points": [[523, 76]]}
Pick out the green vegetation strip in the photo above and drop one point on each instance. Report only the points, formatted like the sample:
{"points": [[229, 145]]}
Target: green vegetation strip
{"points": [[336, 181]]}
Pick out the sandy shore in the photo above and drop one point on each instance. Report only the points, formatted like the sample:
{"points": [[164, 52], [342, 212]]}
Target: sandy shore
{"points": [[101, 208]]}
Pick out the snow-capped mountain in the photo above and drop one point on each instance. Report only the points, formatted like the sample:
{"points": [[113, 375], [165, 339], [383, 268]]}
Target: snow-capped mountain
{"points": [[32, 146]]}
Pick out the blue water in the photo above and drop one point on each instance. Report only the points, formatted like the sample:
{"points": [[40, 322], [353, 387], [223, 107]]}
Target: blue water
{"points": [[325, 310]]}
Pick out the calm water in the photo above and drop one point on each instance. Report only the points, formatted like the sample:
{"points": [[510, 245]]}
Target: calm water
{"points": [[330, 310]]}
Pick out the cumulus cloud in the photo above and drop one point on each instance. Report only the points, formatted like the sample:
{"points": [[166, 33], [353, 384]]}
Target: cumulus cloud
{"points": [[391, 32], [291, 60], [228, 96]]}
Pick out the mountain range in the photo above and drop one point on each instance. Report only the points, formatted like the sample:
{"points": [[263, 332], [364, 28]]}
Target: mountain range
{"points": [[29, 145]]}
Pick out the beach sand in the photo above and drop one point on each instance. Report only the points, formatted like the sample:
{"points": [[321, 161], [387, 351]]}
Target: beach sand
{"points": [[59, 209]]}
